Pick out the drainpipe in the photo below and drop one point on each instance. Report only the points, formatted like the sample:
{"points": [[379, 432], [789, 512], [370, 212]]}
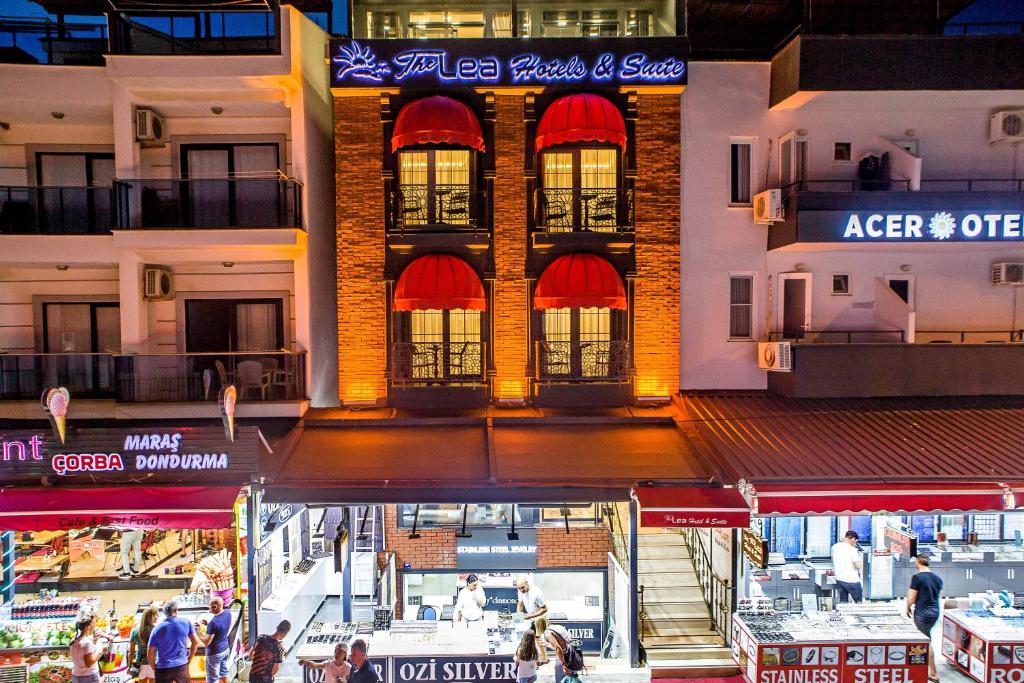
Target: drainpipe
{"points": [[634, 607]]}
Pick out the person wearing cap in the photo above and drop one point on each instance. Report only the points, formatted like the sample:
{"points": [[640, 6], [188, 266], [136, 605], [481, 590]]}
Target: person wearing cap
{"points": [[471, 601]]}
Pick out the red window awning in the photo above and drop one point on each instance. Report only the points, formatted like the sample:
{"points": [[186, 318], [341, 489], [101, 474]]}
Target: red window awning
{"points": [[439, 281], [437, 120], [134, 507], [582, 117], [692, 507], [579, 281], [861, 499]]}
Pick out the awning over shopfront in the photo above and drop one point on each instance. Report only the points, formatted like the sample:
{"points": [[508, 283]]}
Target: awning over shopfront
{"points": [[133, 507], [854, 456], [579, 281], [437, 120], [439, 281], [663, 506], [867, 498], [477, 460], [582, 117]]}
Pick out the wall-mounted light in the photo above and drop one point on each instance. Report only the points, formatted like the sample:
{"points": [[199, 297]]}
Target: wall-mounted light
{"points": [[910, 132], [799, 266], [905, 268], [57, 115], [62, 267], [228, 264], [217, 110]]}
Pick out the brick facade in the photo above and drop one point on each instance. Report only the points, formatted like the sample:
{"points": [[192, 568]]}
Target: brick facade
{"points": [[362, 312], [510, 312], [582, 547], [656, 293]]}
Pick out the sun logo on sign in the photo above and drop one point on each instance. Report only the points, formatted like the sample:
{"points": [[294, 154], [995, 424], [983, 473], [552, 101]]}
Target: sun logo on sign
{"points": [[942, 225], [359, 62]]}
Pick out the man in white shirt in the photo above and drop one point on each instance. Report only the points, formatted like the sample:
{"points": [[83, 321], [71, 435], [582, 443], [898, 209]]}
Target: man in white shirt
{"points": [[846, 565], [470, 605], [531, 599]]}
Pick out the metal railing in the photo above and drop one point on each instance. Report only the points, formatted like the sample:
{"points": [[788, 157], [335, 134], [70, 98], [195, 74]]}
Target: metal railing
{"points": [[40, 40], [186, 377], [582, 361], [903, 185], [716, 591], [841, 337], [49, 210], [237, 202], [972, 185], [199, 33], [440, 208], [146, 378], [968, 336], [979, 28], [417, 363], [584, 209], [23, 376]]}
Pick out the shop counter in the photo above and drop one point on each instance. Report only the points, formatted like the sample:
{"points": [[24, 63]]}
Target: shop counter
{"points": [[297, 599], [855, 645], [987, 645]]}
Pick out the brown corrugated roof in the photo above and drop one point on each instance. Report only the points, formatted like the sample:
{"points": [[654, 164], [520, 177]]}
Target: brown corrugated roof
{"points": [[762, 438]]}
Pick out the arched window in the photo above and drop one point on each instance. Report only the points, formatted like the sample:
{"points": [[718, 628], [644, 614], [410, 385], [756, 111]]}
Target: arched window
{"points": [[436, 140]]}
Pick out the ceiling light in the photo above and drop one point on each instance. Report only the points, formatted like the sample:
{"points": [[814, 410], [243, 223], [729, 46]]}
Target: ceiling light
{"points": [[217, 110], [906, 267], [228, 264], [62, 267], [57, 115]]}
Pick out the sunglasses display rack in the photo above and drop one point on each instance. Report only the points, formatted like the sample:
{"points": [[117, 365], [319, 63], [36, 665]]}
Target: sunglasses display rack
{"points": [[869, 644], [323, 636], [986, 646]]}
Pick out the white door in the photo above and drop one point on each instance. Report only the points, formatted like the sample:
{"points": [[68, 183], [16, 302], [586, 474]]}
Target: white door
{"points": [[794, 305]]}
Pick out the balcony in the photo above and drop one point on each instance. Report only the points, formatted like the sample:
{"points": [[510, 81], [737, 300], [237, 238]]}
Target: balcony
{"points": [[208, 203], [200, 33], [573, 373], [838, 211], [878, 363], [437, 208], [435, 375], [39, 40], [584, 210], [55, 210], [151, 378]]}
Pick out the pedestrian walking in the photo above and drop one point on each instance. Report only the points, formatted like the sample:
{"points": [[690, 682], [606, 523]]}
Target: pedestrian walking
{"points": [[923, 601], [172, 645], [267, 654], [847, 567], [362, 668], [526, 658], [216, 642], [336, 670], [85, 651], [138, 646]]}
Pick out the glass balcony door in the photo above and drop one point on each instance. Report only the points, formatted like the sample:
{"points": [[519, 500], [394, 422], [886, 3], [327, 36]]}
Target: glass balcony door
{"points": [[66, 203], [81, 332], [445, 344], [577, 342], [580, 189], [434, 187], [215, 202]]}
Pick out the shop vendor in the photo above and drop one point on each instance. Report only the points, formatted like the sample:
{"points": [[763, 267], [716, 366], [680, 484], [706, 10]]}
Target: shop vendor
{"points": [[470, 605]]}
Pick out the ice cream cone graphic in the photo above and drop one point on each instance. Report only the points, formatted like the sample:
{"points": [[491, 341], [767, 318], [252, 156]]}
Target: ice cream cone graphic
{"points": [[227, 400], [56, 401]]}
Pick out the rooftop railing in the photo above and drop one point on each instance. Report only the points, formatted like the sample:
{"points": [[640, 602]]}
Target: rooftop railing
{"points": [[40, 40]]}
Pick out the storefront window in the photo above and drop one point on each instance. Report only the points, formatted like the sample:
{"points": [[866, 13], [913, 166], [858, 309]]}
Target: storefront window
{"points": [[953, 526], [787, 536], [446, 25], [492, 515]]}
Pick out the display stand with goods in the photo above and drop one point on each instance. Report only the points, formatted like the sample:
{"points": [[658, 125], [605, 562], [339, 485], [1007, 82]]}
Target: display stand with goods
{"points": [[985, 644]]}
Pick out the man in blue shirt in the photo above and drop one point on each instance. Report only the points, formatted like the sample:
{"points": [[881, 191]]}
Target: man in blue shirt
{"points": [[216, 642], [172, 645]]}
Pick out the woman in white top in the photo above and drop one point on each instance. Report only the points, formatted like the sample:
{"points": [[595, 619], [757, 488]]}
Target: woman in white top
{"points": [[85, 651], [526, 658], [335, 670]]}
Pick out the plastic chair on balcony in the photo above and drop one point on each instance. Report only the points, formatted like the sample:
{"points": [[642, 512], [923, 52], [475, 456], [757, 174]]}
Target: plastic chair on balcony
{"points": [[252, 378]]}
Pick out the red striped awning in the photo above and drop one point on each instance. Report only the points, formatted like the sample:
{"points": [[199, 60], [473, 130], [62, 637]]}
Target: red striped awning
{"points": [[133, 507], [579, 281], [670, 506], [439, 281], [437, 120], [866, 498], [582, 117]]}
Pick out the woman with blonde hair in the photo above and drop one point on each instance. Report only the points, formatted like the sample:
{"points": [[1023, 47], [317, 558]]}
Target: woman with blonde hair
{"points": [[138, 646]]}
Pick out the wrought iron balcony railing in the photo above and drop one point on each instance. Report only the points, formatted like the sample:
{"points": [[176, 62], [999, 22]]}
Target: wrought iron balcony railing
{"points": [[426, 363], [584, 209], [48, 210], [238, 202], [437, 208], [582, 361], [146, 378]]}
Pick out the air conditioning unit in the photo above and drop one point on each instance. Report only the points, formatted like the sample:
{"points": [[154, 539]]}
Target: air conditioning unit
{"points": [[157, 283], [149, 127], [1007, 126], [774, 356], [768, 206], [1007, 273]]}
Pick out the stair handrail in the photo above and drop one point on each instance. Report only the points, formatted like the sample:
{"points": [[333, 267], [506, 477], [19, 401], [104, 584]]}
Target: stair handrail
{"points": [[717, 592]]}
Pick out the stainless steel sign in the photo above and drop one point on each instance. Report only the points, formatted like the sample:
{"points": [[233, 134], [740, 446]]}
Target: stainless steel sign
{"points": [[491, 549]]}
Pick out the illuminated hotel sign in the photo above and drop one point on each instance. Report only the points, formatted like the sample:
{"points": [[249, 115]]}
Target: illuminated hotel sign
{"points": [[508, 62], [927, 226]]}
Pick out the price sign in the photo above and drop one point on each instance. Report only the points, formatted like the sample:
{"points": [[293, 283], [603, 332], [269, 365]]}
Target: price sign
{"points": [[755, 548]]}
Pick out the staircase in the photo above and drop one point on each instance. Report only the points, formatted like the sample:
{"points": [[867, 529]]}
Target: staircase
{"points": [[676, 624]]}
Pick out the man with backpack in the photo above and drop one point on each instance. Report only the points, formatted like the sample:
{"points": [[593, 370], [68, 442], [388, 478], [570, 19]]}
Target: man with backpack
{"points": [[570, 657]]}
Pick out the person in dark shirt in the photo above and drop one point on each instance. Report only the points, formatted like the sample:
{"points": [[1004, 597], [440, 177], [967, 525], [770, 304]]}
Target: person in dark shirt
{"points": [[216, 642], [362, 668], [267, 653], [923, 598]]}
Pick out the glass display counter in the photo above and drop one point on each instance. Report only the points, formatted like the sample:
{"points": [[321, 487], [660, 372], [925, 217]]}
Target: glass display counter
{"points": [[987, 645]]}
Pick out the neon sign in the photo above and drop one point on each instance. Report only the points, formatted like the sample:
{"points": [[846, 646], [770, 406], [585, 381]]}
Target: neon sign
{"points": [[940, 226], [507, 62]]}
